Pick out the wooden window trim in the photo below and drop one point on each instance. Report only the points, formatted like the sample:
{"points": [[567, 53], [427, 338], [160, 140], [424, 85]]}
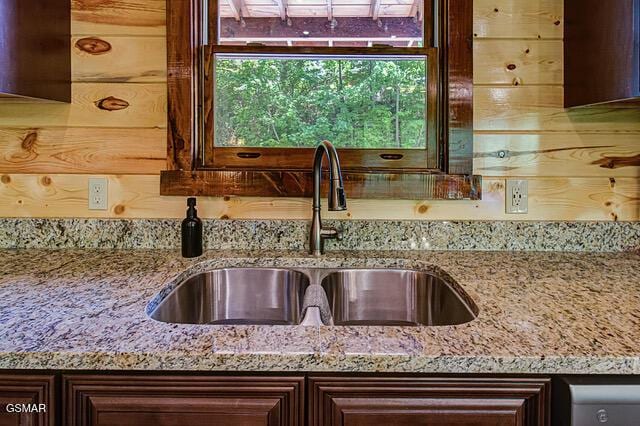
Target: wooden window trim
{"points": [[187, 65]]}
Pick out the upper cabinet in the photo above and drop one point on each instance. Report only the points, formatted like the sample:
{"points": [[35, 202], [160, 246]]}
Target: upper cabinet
{"points": [[35, 52], [602, 51]]}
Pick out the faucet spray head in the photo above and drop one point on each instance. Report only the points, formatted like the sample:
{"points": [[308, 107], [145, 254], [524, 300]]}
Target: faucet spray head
{"points": [[337, 198]]}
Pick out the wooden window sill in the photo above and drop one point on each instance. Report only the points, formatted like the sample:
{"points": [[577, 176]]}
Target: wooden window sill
{"points": [[269, 183]]}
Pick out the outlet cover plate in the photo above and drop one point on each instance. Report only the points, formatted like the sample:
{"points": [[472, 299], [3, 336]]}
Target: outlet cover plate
{"points": [[517, 196], [98, 194]]}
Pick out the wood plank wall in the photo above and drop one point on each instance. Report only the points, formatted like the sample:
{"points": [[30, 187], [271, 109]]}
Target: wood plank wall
{"points": [[581, 165]]}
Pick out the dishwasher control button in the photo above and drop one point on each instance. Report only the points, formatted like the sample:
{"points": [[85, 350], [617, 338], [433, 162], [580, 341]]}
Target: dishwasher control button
{"points": [[602, 416]]}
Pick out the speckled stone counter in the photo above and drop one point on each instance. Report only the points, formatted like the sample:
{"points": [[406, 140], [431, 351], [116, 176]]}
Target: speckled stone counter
{"points": [[397, 235], [538, 313]]}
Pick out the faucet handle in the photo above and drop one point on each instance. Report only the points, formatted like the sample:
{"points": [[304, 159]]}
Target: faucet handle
{"points": [[331, 233]]}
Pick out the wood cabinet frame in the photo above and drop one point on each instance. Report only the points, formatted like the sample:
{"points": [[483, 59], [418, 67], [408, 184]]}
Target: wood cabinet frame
{"points": [[189, 117], [82, 398]]}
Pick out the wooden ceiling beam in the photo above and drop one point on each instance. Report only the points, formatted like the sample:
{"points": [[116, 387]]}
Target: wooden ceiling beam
{"points": [[282, 6], [329, 40], [267, 28], [244, 9], [235, 9], [414, 8], [375, 9]]}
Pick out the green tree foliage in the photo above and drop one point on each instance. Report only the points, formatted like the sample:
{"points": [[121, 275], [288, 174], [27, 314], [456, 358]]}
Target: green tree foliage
{"points": [[299, 102]]}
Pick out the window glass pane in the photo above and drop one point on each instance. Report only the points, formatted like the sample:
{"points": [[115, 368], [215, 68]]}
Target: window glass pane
{"points": [[297, 102], [321, 22]]}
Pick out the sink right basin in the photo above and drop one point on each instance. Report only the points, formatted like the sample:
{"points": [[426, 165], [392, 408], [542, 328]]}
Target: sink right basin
{"points": [[394, 297]]}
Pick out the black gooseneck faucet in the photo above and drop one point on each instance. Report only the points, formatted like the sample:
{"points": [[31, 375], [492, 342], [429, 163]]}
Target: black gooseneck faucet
{"points": [[336, 198]]}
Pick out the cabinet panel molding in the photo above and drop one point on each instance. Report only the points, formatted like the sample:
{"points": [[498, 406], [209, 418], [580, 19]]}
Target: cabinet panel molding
{"points": [[193, 400], [336, 401], [27, 389]]}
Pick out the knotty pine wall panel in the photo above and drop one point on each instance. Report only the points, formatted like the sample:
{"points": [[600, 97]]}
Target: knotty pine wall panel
{"points": [[83, 150], [553, 154], [119, 59], [130, 105], [132, 196], [517, 62], [518, 19], [119, 17], [539, 108], [582, 164]]}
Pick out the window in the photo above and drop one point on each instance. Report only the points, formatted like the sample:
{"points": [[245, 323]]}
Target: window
{"points": [[254, 85], [355, 73], [356, 102]]}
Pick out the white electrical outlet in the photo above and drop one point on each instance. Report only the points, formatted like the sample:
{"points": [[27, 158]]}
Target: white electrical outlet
{"points": [[98, 195], [517, 194]]}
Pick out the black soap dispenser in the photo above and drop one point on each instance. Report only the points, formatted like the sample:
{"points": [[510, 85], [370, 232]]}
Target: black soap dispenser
{"points": [[191, 231]]}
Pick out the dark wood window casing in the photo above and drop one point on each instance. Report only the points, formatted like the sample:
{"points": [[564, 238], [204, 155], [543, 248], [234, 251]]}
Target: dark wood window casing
{"points": [[443, 170]]}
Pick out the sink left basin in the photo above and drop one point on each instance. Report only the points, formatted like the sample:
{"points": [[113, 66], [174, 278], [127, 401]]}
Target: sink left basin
{"points": [[236, 296]]}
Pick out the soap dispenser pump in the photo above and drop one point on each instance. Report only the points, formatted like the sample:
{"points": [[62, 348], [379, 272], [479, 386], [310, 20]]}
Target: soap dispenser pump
{"points": [[191, 231]]}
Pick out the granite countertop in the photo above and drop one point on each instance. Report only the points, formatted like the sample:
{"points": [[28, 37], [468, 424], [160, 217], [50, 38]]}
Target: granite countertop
{"points": [[571, 313]]}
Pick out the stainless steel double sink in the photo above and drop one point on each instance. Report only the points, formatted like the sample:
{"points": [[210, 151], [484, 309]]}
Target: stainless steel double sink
{"points": [[275, 296]]}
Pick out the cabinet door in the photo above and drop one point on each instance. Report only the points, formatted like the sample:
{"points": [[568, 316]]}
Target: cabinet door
{"points": [[181, 401], [35, 49], [26, 400], [428, 401], [601, 51]]}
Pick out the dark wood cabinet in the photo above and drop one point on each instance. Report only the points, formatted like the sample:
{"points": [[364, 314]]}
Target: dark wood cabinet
{"points": [[222, 400], [27, 400], [184, 400], [602, 51], [35, 49], [428, 401]]}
